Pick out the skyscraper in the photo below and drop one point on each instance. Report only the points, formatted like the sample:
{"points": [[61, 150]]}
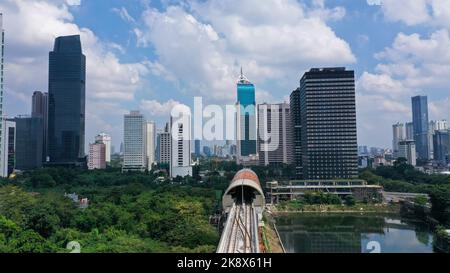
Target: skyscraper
{"points": [[180, 159], [97, 156], [328, 118], [420, 124], [150, 135], [274, 134], [66, 113], [8, 146], [431, 128], [407, 149], [246, 119], [441, 143], [398, 135], [134, 155], [164, 144], [29, 142], [409, 131], [297, 132], [105, 139], [39, 109], [3, 153], [39, 104]]}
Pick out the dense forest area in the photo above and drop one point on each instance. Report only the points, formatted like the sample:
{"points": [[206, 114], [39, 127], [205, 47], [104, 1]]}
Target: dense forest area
{"points": [[404, 178], [140, 212], [126, 213]]}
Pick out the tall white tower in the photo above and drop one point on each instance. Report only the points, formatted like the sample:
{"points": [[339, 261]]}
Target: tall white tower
{"points": [[180, 160], [8, 145], [150, 135]]}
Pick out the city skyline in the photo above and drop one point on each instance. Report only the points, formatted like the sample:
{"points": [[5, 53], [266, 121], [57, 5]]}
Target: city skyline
{"points": [[142, 72], [238, 122]]}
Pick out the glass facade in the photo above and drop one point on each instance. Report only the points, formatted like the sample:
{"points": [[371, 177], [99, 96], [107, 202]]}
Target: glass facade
{"points": [[328, 119], [297, 132], [29, 142], [247, 119], [66, 117], [441, 142], [420, 125], [2, 47]]}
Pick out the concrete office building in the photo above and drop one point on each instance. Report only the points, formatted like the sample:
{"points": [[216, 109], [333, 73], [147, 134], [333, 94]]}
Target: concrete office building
{"points": [[105, 139], [407, 149], [97, 156], [409, 131], [150, 138], [7, 146], [134, 155], [275, 145], [398, 135], [164, 145]]}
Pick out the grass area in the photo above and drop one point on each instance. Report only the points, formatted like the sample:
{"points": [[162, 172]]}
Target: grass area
{"points": [[266, 242]]}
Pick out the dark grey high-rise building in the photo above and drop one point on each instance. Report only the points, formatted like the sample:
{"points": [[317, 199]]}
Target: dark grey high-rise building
{"points": [[29, 142], [39, 109], [328, 119], [66, 110], [441, 143], [296, 124], [420, 125]]}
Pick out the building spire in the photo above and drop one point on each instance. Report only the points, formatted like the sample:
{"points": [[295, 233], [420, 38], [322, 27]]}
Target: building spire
{"points": [[242, 79]]}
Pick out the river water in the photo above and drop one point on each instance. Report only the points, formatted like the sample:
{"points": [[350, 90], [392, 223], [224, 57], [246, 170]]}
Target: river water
{"points": [[343, 233]]}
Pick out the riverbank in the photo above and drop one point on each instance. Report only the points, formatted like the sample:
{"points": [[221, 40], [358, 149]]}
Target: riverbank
{"points": [[271, 238], [358, 208]]}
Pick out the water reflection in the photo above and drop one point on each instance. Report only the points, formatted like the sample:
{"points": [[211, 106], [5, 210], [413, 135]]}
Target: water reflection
{"points": [[310, 233]]}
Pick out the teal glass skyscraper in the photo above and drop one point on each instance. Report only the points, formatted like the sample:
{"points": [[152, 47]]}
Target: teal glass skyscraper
{"points": [[246, 121], [66, 113]]}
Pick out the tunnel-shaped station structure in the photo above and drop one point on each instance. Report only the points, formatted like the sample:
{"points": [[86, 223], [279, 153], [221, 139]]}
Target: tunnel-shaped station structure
{"points": [[245, 188]]}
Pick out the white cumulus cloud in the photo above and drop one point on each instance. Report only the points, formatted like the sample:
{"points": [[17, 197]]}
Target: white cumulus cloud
{"points": [[204, 43]]}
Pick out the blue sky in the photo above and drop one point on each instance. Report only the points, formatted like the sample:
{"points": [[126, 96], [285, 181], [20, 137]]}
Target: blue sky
{"points": [[150, 55]]}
